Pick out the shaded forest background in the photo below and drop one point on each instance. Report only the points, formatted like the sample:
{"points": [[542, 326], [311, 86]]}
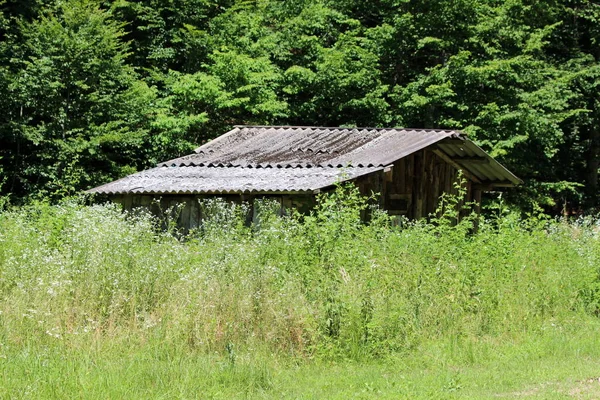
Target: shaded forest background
{"points": [[93, 90]]}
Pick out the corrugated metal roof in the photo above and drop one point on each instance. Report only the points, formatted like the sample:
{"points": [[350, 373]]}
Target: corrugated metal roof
{"points": [[195, 180], [289, 146], [297, 159], [476, 161]]}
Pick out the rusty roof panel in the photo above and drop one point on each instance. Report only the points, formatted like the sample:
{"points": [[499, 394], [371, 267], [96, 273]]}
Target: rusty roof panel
{"points": [[197, 180]]}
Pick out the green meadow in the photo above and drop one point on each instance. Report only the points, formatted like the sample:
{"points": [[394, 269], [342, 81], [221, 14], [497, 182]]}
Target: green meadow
{"points": [[100, 304]]}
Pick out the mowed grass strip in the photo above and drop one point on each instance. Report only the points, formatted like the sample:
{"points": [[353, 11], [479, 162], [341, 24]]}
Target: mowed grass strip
{"points": [[553, 364]]}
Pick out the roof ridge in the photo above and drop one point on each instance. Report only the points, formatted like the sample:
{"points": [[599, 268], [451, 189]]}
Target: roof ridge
{"points": [[356, 127], [267, 165]]}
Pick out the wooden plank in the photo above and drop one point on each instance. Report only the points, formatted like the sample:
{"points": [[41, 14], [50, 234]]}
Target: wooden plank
{"points": [[419, 184], [389, 173], [427, 178], [466, 173], [385, 183], [401, 177], [194, 213], [466, 199], [469, 191], [424, 184], [430, 192], [493, 185], [184, 217], [454, 141], [435, 195], [135, 200], [477, 200], [397, 212], [127, 199], [400, 196], [145, 201], [286, 205], [471, 160], [448, 178], [410, 180]]}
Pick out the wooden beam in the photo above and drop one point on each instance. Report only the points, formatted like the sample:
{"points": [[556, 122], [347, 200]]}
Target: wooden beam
{"points": [[450, 161], [400, 196], [453, 141], [471, 160], [493, 185]]}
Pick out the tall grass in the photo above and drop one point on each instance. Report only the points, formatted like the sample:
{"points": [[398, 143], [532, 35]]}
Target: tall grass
{"points": [[324, 285]]}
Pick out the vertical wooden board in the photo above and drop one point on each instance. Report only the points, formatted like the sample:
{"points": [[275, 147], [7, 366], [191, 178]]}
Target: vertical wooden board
{"points": [[477, 200], [365, 184], [199, 200], [185, 213], [410, 180], [368, 184], [449, 184], [372, 184], [388, 174], [163, 206], [467, 197], [441, 169], [423, 184], [429, 190], [145, 201], [469, 191], [362, 184], [427, 173], [385, 186], [194, 213], [401, 177], [382, 188], [249, 200], [173, 211], [455, 179], [118, 198], [443, 172], [448, 179], [435, 187], [280, 199], [417, 179], [286, 204], [378, 182], [253, 211], [392, 186], [127, 198]]}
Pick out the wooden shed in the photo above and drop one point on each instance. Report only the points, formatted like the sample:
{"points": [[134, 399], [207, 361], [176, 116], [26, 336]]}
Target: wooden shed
{"points": [[410, 168]]}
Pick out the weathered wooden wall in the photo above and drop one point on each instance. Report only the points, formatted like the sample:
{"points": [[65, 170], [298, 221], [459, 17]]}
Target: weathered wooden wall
{"points": [[187, 209], [411, 187]]}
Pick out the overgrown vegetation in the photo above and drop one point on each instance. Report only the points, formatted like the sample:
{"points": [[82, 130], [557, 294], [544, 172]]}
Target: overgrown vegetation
{"points": [[324, 287]]}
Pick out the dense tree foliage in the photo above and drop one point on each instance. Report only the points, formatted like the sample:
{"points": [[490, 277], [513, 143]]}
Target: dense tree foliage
{"points": [[94, 89]]}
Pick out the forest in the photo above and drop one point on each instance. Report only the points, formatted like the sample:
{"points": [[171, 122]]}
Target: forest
{"points": [[92, 90]]}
